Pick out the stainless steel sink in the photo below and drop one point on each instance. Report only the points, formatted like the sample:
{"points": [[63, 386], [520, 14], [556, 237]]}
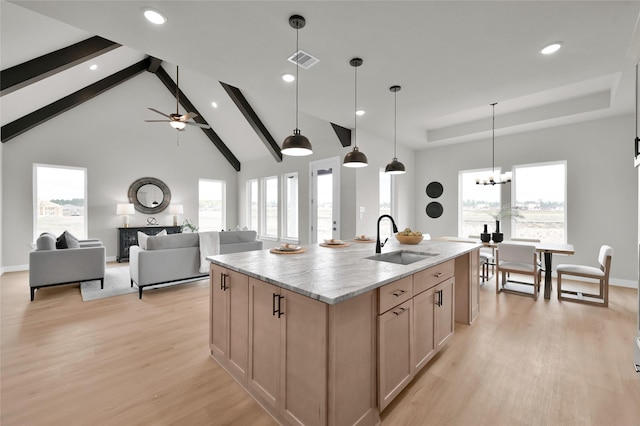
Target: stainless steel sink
{"points": [[402, 257]]}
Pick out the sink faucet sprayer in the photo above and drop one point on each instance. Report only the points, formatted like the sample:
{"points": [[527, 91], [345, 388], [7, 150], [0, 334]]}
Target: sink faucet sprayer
{"points": [[379, 245]]}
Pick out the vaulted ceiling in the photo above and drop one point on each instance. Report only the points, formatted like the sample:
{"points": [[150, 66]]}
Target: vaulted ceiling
{"points": [[452, 60]]}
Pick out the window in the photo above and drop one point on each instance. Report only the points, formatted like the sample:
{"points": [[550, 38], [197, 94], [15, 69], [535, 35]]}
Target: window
{"points": [[385, 201], [290, 202], [476, 203], [252, 202], [269, 207], [212, 205], [539, 192], [60, 195]]}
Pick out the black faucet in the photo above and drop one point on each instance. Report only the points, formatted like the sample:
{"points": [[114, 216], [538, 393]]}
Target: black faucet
{"points": [[379, 245]]}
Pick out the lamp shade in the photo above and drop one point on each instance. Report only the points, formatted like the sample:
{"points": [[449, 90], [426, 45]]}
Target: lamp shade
{"points": [[395, 167], [125, 209], [355, 158], [176, 209], [296, 145]]}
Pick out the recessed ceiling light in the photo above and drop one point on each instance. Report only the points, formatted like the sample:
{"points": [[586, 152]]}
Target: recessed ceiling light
{"points": [[552, 48], [154, 16], [214, 104], [360, 112], [288, 78], [93, 67]]}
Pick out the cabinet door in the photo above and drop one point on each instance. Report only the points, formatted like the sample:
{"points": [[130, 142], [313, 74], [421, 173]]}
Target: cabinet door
{"points": [[264, 343], [444, 313], [394, 352], [219, 315], [424, 344], [237, 289], [304, 361]]}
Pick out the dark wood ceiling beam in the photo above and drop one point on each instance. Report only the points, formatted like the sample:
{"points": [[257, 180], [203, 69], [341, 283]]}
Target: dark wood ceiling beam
{"points": [[29, 121], [189, 107], [344, 134], [254, 121], [29, 72]]}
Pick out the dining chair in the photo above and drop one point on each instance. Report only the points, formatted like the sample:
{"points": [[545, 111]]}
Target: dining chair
{"points": [[518, 259], [531, 240], [600, 274], [487, 259]]}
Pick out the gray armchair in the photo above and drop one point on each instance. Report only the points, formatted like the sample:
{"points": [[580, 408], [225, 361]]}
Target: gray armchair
{"points": [[49, 266]]}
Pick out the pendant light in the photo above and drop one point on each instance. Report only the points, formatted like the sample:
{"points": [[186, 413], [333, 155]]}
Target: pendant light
{"points": [[296, 145], [505, 177], [355, 158], [395, 167]]}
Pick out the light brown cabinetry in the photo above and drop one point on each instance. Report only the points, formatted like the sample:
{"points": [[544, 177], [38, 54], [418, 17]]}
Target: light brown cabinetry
{"points": [[229, 311], [287, 353], [412, 331]]}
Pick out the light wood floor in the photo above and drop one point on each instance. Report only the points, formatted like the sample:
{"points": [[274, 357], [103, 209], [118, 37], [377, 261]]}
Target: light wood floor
{"points": [[124, 361]]}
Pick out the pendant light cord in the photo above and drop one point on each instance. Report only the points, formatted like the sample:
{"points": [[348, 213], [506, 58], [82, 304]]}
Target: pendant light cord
{"points": [[493, 138], [297, 71], [395, 122], [355, 109]]}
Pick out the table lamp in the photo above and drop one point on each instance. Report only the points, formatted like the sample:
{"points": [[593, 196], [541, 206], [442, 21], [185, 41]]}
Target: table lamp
{"points": [[175, 210], [125, 210]]}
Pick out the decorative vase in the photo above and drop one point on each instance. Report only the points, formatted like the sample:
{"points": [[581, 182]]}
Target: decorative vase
{"points": [[497, 236], [485, 237]]}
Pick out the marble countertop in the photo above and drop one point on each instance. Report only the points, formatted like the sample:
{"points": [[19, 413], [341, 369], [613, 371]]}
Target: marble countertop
{"points": [[332, 275]]}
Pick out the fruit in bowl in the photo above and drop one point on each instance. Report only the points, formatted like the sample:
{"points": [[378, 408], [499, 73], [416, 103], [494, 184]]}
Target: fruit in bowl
{"points": [[409, 237]]}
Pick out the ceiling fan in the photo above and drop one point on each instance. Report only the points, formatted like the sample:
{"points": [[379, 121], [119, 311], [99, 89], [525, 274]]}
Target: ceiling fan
{"points": [[177, 120]]}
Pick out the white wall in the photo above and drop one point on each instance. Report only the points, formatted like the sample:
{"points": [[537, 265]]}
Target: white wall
{"points": [[108, 136], [358, 187], [602, 187]]}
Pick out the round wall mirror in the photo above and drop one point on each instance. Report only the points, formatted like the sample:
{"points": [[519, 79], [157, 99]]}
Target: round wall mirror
{"points": [[149, 195]]}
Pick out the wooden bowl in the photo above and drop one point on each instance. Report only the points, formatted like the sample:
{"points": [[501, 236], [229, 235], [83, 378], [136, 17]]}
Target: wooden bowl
{"points": [[406, 239]]}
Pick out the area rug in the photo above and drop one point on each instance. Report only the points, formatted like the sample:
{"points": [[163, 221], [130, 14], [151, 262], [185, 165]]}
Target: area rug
{"points": [[117, 282]]}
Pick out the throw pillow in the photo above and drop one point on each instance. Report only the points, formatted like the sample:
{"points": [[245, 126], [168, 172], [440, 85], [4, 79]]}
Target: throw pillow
{"points": [[67, 240], [142, 238], [46, 241]]}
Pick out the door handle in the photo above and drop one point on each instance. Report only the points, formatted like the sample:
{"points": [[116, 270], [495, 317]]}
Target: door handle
{"points": [[280, 313], [438, 275], [399, 293], [277, 310], [273, 304], [402, 310]]}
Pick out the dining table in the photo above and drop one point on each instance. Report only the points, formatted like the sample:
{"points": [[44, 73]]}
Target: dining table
{"points": [[544, 248]]}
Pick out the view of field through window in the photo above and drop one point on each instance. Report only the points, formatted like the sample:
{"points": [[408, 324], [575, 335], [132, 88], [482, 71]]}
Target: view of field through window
{"points": [[211, 205], [60, 195]]}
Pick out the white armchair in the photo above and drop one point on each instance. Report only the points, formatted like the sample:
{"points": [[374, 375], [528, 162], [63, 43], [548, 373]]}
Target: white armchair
{"points": [[517, 259], [600, 274]]}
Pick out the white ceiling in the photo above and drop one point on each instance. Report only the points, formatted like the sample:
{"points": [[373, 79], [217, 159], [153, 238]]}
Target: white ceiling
{"points": [[452, 59]]}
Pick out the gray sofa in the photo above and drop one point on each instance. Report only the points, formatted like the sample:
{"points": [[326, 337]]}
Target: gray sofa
{"points": [[51, 266], [176, 257]]}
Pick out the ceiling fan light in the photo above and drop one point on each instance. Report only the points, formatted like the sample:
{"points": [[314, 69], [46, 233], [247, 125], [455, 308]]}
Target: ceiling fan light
{"points": [[395, 167], [296, 145], [178, 125], [355, 159], [551, 48]]}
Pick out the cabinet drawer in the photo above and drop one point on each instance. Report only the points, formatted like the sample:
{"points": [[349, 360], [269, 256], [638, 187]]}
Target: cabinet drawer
{"points": [[394, 293], [426, 279]]}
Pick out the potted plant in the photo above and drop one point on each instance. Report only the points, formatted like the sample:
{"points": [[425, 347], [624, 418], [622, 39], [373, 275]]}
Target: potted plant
{"points": [[503, 212], [188, 226]]}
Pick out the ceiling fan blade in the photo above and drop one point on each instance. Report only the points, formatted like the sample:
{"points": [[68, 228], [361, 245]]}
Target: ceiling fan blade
{"points": [[204, 126], [158, 121], [188, 116], [161, 113]]}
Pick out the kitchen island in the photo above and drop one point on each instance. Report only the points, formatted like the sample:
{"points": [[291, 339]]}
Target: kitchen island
{"points": [[330, 336]]}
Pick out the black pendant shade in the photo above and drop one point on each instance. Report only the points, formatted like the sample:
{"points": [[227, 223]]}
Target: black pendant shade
{"points": [[296, 145], [355, 158], [395, 167]]}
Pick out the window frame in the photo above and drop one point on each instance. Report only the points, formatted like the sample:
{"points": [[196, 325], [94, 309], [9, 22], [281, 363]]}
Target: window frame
{"points": [[263, 208], [34, 205], [514, 201], [223, 194], [286, 178], [484, 170]]}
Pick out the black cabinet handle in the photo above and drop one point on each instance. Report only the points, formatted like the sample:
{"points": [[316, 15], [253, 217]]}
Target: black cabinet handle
{"points": [[439, 302], [223, 281], [402, 310], [277, 310], [399, 293]]}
